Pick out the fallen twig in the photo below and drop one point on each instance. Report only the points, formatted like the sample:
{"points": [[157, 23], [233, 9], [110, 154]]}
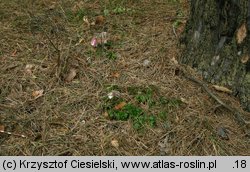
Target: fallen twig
{"points": [[174, 32], [235, 111], [54, 46]]}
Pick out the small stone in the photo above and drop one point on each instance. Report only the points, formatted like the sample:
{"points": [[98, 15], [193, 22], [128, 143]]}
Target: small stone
{"points": [[146, 63], [222, 132]]}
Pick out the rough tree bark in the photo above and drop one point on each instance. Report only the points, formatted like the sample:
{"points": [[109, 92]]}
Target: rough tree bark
{"points": [[217, 44]]}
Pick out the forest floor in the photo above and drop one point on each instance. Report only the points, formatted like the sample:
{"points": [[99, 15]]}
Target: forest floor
{"points": [[59, 95]]}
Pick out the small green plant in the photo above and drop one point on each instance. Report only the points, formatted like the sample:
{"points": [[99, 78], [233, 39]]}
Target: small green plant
{"points": [[178, 22], [174, 102], [163, 100], [135, 112], [152, 121], [111, 55], [139, 122], [170, 102], [130, 112], [119, 10], [109, 44], [163, 115], [70, 15], [116, 9], [145, 97], [103, 50], [80, 14], [127, 111], [113, 87], [76, 17], [106, 12], [118, 115]]}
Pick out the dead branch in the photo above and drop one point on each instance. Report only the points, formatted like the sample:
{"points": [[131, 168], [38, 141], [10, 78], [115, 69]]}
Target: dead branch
{"points": [[235, 111]]}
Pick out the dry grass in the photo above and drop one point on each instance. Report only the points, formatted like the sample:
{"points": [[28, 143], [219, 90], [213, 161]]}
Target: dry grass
{"points": [[68, 119]]}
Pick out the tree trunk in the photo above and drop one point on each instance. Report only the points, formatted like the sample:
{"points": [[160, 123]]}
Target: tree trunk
{"points": [[217, 44]]}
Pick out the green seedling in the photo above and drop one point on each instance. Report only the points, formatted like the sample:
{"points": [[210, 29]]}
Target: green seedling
{"points": [[163, 100], [69, 14], [174, 102], [111, 55], [170, 102], [119, 10], [152, 121], [145, 97], [139, 122], [116, 8], [177, 23], [163, 115], [118, 115], [106, 12], [77, 17], [113, 87], [109, 44], [80, 14], [133, 110], [104, 50]]}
